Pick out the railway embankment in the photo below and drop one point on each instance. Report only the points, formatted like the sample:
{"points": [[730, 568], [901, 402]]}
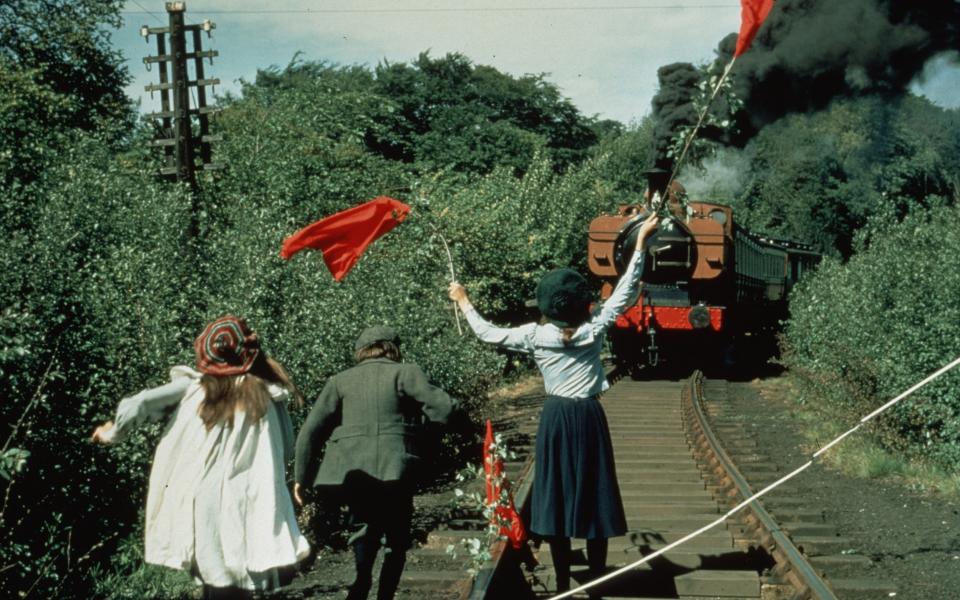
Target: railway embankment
{"points": [[871, 538]]}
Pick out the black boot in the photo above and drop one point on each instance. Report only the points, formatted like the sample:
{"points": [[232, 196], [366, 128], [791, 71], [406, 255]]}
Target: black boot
{"points": [[364, 555], [390, 573], [597, 560], [560, 553], [225, 593]]}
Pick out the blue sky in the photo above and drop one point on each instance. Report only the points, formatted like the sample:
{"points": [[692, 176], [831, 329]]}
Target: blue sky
{"points": [[603, 56]]}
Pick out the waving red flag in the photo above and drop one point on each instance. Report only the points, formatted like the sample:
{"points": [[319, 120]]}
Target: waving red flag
{"points": [[342, 237], [753, 14], [493, 468]]}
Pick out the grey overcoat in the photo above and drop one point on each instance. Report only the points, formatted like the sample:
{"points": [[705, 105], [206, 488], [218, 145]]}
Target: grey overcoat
{"points": [[368, 417]]}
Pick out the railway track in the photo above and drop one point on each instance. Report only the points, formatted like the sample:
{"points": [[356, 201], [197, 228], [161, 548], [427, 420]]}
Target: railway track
{"points": [[735, 422], [676, 476], [669, 489], [685, 457]]}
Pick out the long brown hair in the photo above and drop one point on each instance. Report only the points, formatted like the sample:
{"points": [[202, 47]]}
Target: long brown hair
{"points": [[224, 394]]}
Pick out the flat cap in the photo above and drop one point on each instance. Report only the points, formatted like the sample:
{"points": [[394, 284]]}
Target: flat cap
{"points": [[374, 334]]}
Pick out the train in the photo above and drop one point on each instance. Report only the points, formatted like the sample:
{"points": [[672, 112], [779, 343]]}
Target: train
{"points": [[709, 283]]}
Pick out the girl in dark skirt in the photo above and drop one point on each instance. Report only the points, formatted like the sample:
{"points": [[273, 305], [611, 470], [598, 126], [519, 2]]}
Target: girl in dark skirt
{"points": [[575, 491]]}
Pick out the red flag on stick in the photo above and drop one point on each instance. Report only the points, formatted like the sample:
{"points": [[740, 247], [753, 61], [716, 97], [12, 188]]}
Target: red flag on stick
{"points": [[753, 14], [504, 513], [342, 237]]}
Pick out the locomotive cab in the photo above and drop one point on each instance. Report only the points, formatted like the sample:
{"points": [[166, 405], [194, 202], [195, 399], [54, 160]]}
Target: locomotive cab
{"points": [[685, 272], [671, 251], [687, 256], [706, 279]]}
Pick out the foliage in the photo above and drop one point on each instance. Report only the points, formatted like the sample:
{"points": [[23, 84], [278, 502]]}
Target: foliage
{"points": [[57, 73], [821, 177], [102, 298], [626, 155], [68, 43], [454, 115], [126, 577], [507, 232], [865, 331], [447, 113], [107, 281]]}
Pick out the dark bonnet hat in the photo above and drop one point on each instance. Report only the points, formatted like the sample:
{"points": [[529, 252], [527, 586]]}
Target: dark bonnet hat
{"points": [[377, 333], [563, 297], [226, 347]]}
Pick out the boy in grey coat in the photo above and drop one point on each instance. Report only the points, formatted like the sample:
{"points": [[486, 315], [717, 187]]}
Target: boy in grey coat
{"points": [[368, 417]]}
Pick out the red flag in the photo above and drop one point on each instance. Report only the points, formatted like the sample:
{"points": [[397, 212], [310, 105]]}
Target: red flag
{"points": [[493, 468], [342, 237], [753, 14]]}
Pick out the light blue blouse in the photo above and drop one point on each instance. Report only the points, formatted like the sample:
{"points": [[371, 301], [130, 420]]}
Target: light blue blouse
{"points": [[572, 369]]}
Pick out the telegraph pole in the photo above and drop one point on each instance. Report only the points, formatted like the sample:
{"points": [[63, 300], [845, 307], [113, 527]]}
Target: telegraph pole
{"points": [[186, 148]]}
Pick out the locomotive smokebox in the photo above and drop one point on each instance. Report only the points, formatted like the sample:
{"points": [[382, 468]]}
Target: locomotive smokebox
{"points": [[699, 316], [671, 251]]}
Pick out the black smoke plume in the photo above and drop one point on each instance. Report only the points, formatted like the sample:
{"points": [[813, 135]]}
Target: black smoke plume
{"points": [[810, 52], [672, 106]]}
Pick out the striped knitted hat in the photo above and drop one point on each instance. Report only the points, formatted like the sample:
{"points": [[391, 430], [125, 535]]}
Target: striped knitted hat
{"points": [[226, 347]]}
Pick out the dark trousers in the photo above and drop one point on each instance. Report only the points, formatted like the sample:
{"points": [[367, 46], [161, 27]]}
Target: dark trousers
{"points": [[381, 513], [226, 593]]}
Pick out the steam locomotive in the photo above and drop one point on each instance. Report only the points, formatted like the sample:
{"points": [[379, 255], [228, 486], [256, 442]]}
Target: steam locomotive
{"points": [[709, 283]]}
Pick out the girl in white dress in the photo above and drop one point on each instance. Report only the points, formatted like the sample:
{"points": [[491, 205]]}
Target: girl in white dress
{"points": [[218, 505]]}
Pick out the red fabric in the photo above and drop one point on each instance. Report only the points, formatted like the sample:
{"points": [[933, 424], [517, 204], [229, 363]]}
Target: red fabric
{"points": [[493, 468], [753, 14], [342, 237]]}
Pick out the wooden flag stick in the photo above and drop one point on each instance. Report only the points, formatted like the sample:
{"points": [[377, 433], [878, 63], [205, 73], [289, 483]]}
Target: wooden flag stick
{"points": [[693, 133], [453, 275]]}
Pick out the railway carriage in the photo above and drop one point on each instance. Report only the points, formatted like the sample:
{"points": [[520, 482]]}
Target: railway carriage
{"points": [[709, 281]]}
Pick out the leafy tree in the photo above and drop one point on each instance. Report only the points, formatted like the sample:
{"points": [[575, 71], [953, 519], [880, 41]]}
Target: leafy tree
{"points": [[821, 177], [58, 75], [99, 297], [447, 114], [628, 153], [450, 100], [65, 46]]}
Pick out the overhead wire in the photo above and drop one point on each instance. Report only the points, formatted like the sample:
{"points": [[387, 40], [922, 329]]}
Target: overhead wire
{"points": [[480, 9], [151, 13]]}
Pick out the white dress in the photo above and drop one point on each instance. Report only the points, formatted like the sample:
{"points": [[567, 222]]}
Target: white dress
{"points": [[218, 502]]}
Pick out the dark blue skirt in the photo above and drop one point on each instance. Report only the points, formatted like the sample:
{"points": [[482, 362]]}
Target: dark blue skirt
{"points": [[575, 491]]}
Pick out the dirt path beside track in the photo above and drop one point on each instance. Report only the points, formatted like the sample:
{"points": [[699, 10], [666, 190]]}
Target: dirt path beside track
{"points": [[911, 537]]}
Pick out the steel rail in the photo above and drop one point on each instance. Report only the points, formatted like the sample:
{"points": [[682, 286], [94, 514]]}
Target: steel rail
{"points": [[802, 575]]}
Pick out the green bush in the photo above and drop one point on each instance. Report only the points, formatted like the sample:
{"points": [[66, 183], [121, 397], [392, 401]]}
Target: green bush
{"points": [[101, 297], [865, 331], [109, 274]]}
